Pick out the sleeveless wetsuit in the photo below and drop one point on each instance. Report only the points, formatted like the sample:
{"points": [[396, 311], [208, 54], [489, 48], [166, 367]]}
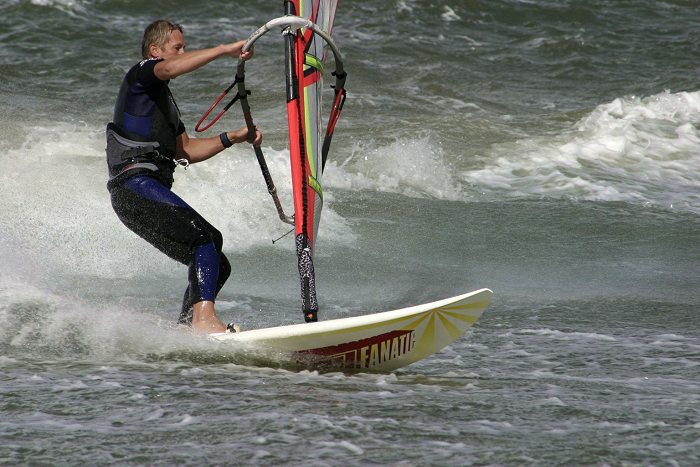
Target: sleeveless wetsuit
{"points": [[147, 122]]}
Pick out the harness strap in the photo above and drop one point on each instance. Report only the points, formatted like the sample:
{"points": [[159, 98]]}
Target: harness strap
{"points": [[136, 153]]}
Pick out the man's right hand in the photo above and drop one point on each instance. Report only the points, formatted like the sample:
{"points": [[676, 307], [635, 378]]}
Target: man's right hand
{"points": [[235, 50], [240, 135]]}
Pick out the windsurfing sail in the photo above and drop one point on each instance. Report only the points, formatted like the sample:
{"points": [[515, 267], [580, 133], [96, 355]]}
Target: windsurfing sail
{"points": [[305, 54], [307, 27]]}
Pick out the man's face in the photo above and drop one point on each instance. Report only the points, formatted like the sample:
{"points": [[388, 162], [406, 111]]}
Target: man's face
{"points": [[174, 46]]}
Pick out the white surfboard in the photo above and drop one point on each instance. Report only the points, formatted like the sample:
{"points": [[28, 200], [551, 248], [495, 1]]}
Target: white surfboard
{"points": [[375, 342]]}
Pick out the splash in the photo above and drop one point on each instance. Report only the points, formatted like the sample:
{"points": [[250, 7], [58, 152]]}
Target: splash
{"points": [[411, 167], [636, 150], [57, 210]]}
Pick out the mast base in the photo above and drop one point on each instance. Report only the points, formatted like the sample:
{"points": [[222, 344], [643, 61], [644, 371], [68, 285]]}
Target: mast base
{"points": [[311, 316]]}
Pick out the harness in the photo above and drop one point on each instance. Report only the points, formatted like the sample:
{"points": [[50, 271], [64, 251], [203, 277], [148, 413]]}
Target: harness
{"points": [[125, 154]]}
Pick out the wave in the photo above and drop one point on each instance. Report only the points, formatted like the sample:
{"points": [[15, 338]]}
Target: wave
{"points": [[637, 150], [633, 149], [411, 167], [56, 208], [71, 7]]}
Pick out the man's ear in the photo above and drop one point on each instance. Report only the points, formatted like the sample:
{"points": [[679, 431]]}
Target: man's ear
{"points": [[154, 51]]}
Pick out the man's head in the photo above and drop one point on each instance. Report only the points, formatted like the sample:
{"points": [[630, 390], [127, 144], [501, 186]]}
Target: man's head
{"points": [[162, 39]]}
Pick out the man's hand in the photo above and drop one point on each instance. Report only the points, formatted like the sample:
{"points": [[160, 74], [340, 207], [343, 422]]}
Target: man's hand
{"points": [[245, 56], [240, 135], [235, 50]]}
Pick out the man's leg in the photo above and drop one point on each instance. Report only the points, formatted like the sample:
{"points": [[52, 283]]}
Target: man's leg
{"points": [[188, 299], [163, 219]]}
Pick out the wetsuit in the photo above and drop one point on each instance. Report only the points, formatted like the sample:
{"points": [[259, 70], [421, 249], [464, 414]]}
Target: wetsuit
{"points": [[141, 148]]}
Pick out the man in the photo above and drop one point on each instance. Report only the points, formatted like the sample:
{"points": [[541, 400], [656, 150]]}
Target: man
{"points": [[145, 142]]}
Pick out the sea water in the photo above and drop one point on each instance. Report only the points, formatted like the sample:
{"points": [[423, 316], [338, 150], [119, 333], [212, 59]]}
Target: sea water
{"points": [[548, 150]]}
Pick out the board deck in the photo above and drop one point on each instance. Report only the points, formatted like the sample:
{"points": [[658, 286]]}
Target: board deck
{"points": [[375, 342]]}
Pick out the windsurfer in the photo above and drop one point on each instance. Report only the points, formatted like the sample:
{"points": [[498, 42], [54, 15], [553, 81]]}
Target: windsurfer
{"points": [[145, 142]]}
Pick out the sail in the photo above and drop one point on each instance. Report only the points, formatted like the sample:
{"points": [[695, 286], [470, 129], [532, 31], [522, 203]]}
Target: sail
{"points": [[305, 58], [306, 27]]}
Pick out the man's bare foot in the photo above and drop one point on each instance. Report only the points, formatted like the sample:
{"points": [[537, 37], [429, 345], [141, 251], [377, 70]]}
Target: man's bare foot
{"points": [[204, 319]]}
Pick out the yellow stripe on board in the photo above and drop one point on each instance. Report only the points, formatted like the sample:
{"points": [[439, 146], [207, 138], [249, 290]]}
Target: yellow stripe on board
{"points": [[425, 345], [410, 323], [408, 326], [458, 315], [413, 325], [453, 330], [462, 317]]}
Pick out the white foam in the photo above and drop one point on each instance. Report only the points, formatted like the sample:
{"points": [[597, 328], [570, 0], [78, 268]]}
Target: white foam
{"points": [[348, 446], [403, 5], [567, 335], [449, 14], [67, 6], [187, 419], [552, 401], [230, 192], [411, 167], [43, 323], [637, 150], [57, 208], [6, 361]]}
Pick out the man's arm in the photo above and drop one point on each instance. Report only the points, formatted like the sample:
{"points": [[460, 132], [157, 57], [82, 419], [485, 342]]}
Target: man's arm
{"points": [[190, 61], [200, 149]]}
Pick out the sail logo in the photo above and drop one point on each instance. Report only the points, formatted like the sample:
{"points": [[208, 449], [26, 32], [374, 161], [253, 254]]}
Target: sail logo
{"points": [[365, 353]]}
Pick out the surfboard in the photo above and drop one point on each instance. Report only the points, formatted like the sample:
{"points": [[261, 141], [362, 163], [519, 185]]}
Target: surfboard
{"points": [[378, 342]]}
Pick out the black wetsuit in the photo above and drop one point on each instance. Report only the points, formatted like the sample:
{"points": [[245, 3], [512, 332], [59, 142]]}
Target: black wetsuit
{"points": [[146, 115]]}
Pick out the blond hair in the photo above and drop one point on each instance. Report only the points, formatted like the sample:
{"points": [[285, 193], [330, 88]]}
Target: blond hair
{"points": [[158, 33]]}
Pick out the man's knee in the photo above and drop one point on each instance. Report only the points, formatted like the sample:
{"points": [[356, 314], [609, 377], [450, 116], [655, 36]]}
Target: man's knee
{"points": [[217, 239], [208, 234]]}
